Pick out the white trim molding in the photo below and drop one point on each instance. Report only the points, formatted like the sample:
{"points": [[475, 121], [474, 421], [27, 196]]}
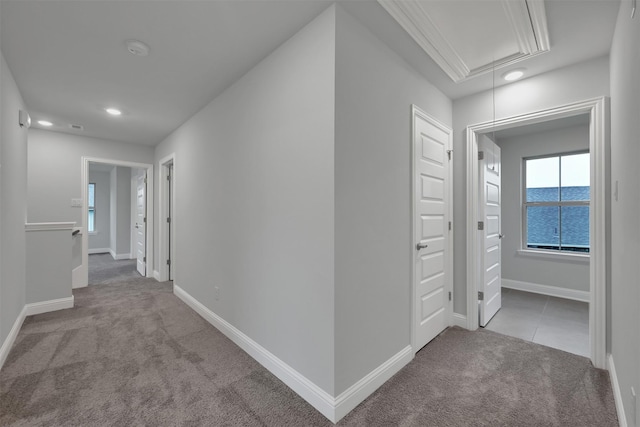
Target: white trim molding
{"points": [[11, 338], [163, 235], [99, 251], [49, 226], [460, 320], [47, 306], [332, 408], [156, 275], [552, 291], [617, 394], [598, 110]]}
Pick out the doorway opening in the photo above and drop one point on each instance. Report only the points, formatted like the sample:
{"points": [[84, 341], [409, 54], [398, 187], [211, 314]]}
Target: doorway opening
{"points": [[595, 110], [167, 224], [543, 271], [115, 221]]}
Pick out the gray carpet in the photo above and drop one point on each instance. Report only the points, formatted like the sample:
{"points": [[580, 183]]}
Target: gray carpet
{"points": [[134, 354], [103, 269]]}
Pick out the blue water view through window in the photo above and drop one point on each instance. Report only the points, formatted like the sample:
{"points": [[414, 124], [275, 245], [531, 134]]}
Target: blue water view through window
{"points": [[556, 206]]}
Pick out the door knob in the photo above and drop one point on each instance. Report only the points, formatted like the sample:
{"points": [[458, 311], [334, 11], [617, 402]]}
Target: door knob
{"points": [[421, 246]]}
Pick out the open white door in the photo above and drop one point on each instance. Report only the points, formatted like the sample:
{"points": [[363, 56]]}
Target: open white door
{"points": [[432, 297], [141, 224], [490, 240]]}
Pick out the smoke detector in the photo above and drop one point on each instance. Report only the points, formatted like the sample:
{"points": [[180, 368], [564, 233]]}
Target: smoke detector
{"points": [[137, 48], [76, 127]]}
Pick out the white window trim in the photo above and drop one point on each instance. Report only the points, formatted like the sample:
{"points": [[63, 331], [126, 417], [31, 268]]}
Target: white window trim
{"points": [[576, 257]]}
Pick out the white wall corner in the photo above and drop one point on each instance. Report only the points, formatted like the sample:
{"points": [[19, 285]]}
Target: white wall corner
{"points": [[11, 338], [156, 275], [47, 306], [358, 392], [552, 291], [460, 320], [617, 395], [332, 408]]}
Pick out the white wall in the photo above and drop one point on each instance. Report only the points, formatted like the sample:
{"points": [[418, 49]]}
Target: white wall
{"points": [[255, 211], [13, 189], [101, 238], [625, 210], [55, 170], [574, 83], [120, 212], [375, 89], [559, 272]]}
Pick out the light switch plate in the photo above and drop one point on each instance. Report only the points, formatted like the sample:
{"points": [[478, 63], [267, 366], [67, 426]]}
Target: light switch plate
{"points": [[76, 203]]}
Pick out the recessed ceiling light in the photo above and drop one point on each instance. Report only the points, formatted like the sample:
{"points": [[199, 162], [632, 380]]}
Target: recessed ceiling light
{"points": [[45, 123], [137, 48], [113, 111], [513, 75]]}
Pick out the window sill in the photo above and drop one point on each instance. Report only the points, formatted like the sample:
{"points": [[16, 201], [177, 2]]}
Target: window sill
{"points": [[555, 256]]}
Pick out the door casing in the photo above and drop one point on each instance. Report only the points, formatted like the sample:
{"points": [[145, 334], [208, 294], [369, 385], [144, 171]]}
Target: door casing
{"points": [[598, 110], [166, 245]]}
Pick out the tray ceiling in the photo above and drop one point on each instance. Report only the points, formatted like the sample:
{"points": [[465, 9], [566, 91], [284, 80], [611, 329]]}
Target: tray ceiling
{"points": [[467, 38]]}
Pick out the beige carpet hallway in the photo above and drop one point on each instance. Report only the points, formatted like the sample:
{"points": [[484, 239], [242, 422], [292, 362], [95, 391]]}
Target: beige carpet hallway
{"points": [[133, 354]]}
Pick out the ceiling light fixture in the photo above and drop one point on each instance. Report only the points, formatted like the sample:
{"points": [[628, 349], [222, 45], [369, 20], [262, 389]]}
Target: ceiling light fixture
{"points": [[46, 123], [113, 111], [513, 75], [137, 48]]}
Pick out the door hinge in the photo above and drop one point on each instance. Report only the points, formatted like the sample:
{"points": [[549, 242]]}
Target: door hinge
{"points": [[449, 152], [145, 180], [480, 296], [168, 262], [145, 219], [144, 259], [168, 219], [449, 225], [480, 225], [480, 155], [168, 177], [449, 295]]}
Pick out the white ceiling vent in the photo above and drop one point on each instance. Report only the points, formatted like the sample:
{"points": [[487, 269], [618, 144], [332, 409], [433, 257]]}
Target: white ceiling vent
{"points": [[76, 127], [137, 48], [467, 38]]}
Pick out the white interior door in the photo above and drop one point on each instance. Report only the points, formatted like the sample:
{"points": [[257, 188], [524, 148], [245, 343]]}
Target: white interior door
{"points": [[432, 297], [490, 196], [141, 224]]}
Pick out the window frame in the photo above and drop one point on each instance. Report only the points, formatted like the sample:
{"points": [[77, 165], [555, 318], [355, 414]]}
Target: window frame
{"points": [[545, 252], [91, 208]]}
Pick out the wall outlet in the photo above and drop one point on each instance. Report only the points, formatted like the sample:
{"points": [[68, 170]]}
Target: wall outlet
{"points": [[76, 203], [216, 293]]}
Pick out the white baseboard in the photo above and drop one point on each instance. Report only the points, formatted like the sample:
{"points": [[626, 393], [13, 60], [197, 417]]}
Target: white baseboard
{"points": [[358, 392], [459, 320], [47, 306], [99, 251], [156, 275], [552, 291], [332, 408], [617, 395], [117, 257], [11, 338]]}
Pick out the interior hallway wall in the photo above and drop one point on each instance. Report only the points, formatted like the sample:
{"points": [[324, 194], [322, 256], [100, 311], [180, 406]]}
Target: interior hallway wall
{"points": [[13, 190], [255, 202], [578, 82], [625, 208]]}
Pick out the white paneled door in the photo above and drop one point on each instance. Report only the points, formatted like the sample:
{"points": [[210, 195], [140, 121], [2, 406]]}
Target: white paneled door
{"points": [[432, 229], [491, 237], [141, 223]]}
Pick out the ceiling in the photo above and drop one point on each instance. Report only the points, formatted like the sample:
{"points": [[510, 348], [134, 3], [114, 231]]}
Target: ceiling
{"points": [[70, 61]]}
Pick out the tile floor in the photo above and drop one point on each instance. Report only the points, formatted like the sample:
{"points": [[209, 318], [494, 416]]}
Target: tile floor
{"points": [[554, 322]]}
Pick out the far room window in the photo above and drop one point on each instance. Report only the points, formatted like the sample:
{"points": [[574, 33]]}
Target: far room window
{"points": [[556, 202], [91, 205]]}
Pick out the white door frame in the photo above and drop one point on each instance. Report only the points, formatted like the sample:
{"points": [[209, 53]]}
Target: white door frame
{"points": [[163, 236], [82, 278], [416, 111], [597, 109]]}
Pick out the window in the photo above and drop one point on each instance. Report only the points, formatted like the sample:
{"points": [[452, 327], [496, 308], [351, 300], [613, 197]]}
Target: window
{"points": [[91, 205], [556, 202]]}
